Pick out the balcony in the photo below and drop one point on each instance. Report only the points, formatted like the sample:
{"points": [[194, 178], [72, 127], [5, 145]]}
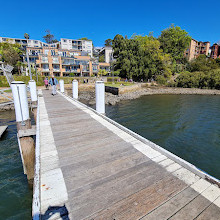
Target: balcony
{"points": [[68, 62], [44, 60], [56, 61], [45, 70], [71, 71]]}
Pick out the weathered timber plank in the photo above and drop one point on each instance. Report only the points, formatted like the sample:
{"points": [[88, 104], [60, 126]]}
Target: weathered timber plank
{"points": [[142, 202], [192, 209], [211, 213], [172, 206], [80, 138], [84, 165], [100, 154], [97, 129], [105, 192], [85, 177], [81, 147]]}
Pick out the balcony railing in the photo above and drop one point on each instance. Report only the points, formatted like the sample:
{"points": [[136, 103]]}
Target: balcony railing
{"points": [[56, 61], [44, 60], [56, 70], [45, 70]]}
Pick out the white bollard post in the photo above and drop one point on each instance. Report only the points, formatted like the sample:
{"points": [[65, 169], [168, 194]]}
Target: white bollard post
{"points": [[61, 85], [100, 96], [75, 89], [33, 90], [20, 101], [26, 143]]}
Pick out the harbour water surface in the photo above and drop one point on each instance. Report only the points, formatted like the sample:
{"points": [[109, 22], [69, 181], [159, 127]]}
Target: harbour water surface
{"points": [[15, 195]]}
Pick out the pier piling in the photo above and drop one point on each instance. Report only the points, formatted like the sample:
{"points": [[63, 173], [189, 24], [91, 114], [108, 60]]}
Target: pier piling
{"points": [[75, 89], [100, 97], [33, 92], [61, 85], [26, 143]]}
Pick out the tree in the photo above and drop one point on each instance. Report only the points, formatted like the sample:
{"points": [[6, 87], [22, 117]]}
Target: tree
{"points": [[174, 41], [102, 72], [49, 38], [26, 36], [202, 63], [84, 38], [20, 65], [10, 53], [140, 58], [108, 42]]}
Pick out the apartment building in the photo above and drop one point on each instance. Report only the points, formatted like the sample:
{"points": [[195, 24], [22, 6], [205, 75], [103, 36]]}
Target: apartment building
{"points": [[197, 48], [215, 51], [64, 62], [81, 45], [108, 54], [66, 44]]}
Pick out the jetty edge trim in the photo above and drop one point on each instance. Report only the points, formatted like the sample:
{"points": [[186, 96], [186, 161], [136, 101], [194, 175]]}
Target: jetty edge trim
{"points": [[156, 147], [36, 186]]}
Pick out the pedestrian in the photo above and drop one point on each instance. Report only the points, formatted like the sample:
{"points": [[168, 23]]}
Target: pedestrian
{"points": [[53, 82], [46, 82]]}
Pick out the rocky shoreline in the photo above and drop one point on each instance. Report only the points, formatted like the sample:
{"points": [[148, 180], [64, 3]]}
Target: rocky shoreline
{"points": [[88, 97]]}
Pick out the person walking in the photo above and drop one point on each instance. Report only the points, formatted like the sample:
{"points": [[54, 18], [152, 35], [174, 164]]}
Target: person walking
{"points": [[53, 82], [46, 82]]}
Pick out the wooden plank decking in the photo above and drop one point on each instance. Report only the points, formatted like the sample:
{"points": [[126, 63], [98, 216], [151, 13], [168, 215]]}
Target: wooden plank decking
{"points": [[91, 169]]}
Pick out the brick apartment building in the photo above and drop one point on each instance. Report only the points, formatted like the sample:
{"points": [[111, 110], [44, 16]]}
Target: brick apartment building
{"points": [[51, 61], [215, 51], [197, 48], [64, 58]]}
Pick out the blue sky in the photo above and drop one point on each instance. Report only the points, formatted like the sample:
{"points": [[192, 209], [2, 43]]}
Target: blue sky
{"points": [[99, 20]]}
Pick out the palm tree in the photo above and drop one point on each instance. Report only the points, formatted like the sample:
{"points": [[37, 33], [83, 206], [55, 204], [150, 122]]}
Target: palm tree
{"points": [[26, 36]]}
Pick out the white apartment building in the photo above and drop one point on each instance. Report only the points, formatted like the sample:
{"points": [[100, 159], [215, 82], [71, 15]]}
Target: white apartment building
{"points": [[82, 45], [66, 44], [108, 54], [23, 42]]}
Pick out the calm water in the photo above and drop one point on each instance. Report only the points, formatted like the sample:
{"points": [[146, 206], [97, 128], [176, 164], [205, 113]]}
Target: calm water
{"points": [[15, 196], [186, 125]]}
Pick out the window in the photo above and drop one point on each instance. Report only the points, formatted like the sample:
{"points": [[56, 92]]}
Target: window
{"points": [[64, 41], [52, 52], [64, 54], [36, 42]]}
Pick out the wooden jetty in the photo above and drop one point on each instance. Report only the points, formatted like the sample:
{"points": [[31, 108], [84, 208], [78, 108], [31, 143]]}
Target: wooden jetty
{"points": [[90, 167]]}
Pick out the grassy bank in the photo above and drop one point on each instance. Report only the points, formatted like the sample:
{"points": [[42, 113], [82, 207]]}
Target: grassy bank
{"points": [[40, 82]]}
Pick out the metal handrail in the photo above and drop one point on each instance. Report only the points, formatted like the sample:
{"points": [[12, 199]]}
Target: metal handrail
{"points": [[5, 95]]}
